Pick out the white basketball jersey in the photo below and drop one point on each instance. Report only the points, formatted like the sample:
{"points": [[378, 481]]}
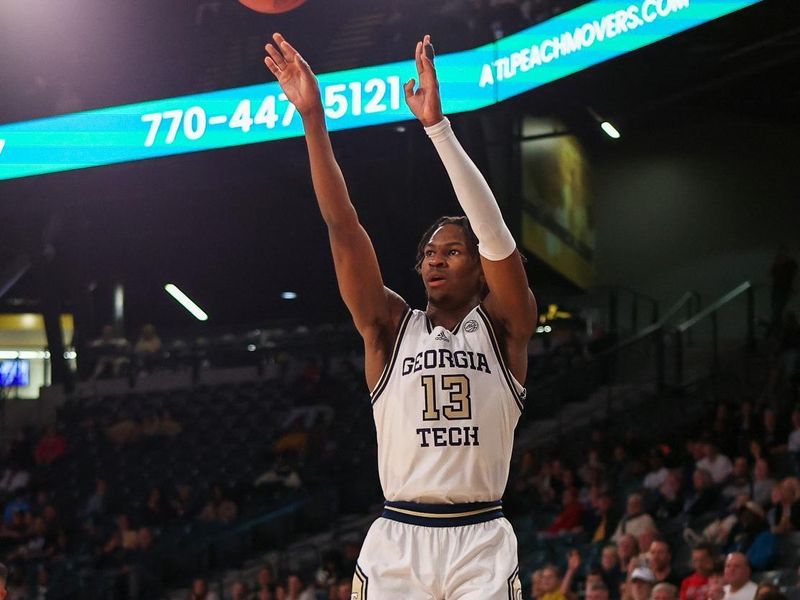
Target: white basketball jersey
{"points": [[445, 410]]}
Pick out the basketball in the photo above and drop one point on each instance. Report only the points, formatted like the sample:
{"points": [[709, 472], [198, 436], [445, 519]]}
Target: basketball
{"points": [[272, 6]]}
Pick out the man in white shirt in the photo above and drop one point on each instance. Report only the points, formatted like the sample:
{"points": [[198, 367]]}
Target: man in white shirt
{"points": [[737, 578], [715, 463]]}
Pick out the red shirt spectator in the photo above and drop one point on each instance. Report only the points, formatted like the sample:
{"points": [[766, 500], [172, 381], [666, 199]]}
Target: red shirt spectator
{"points": [[50, 447], [571, 513], [695, 586]]}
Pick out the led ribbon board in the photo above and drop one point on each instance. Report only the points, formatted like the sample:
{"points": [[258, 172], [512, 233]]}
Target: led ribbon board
{"points": [[471, 79]]}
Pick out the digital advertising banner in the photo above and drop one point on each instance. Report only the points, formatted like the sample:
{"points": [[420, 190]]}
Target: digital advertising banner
{"points": [[472, 79]]}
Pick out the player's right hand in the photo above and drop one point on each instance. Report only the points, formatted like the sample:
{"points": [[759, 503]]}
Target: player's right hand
{"points": [[295, 77]]}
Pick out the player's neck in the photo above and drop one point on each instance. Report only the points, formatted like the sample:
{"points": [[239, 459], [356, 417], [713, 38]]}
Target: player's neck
{"points": [[448, 316]]}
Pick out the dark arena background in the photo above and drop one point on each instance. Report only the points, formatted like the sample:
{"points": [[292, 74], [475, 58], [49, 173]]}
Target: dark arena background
{"points": [[152, 452]]}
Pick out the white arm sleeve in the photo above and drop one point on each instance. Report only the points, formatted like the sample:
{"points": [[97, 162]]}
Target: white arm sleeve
{"points": [[476, 199]]}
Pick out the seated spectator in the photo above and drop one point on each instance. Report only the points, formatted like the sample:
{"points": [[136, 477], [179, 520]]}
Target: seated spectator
{"points": [[157, 510], [200, 591], [773, 434], [597, 591], [664, 591], [752, 537], [219, 508], [603, 519], [640, 586], [51, 447], [296, 588], [613, 571], [148, 342], [738, 585], [787, 508], [635, 521], [739, 483], [695, 586], [660, 563], [344, 589], [239, 591], [627, 550], [98, 503], [716, 584], [569, 519], [670, 497], [552, 586], [704, 498], [265, 578], [718, 465], [767, 590], [658, 472], [762, 482], [111, 351]]}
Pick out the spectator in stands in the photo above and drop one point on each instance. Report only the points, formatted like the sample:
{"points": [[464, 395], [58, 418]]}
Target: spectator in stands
{"points": [[569, 519], [185, 505], [762, 482], [704, 498], [20, 449], [752, 536], [657, 474], [739, 483], [716, 584], [613, 570], [296, 588], [219, 508], [553, 587], [537, 591], [148, 346], [620, 469], [239, 591], [51, 446], [641, 584], [670, 497], [660, 563], [3, 581], [603, 519], [787, 509], [767, 590], [265, 578], [635, 521], [738, 585], [343, 590], [200, 591], [98, 504], [695, 586], [111, 351], [627, 550], [664, 591], [597, 591], [157, 510], [718, 465]]}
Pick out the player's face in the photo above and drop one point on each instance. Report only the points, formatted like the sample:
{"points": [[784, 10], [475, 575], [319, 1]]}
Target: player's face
{"points": [[449, 270]]}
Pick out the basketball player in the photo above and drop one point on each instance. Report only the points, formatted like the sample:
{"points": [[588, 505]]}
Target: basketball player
{"points": [[444, 382]]}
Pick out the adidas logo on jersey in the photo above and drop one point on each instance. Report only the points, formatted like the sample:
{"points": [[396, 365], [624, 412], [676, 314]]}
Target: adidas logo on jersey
{"points": [[442, 337]]}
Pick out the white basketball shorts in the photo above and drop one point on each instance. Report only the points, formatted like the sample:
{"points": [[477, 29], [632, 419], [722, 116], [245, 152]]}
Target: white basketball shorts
{"points": [[439, 552]]}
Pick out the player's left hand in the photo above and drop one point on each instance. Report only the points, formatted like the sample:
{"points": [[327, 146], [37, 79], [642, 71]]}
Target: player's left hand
{"points": [[425, 102]]}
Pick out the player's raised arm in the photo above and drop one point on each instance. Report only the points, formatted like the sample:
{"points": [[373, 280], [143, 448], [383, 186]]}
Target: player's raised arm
{"points": [[510, 300], [374, 308]]}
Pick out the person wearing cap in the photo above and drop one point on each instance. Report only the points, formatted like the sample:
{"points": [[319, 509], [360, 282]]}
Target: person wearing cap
{"points": [[641, 585], [738, 585]]}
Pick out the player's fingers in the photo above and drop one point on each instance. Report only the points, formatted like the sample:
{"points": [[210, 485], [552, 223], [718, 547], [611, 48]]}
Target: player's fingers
{"points": [[288, 50], [418, 58], [276, 56], [409, 88], [272, 66]]}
